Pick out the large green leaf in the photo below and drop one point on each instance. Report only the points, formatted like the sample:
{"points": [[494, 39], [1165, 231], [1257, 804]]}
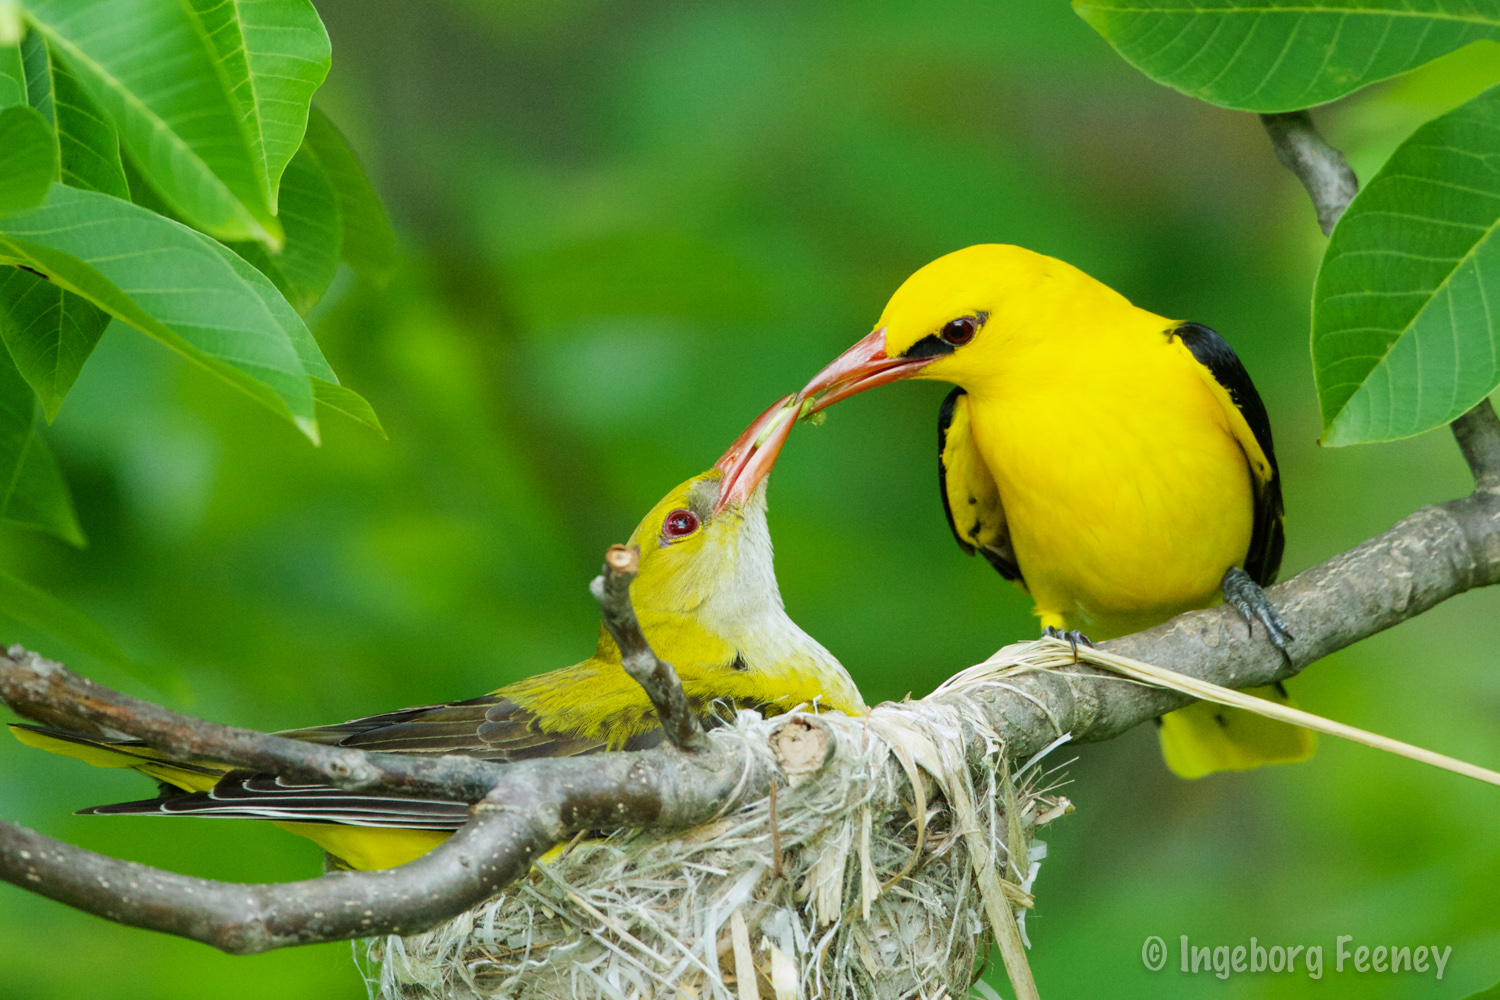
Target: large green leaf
{"points": [[36, 63], [88, 147], [152, 69], [309, 258], [12, 76], [179, 286], [369, 245], [275, 54], [49, 332], [1283, 55], [33, 492], [1406, 312], [28, 158]]}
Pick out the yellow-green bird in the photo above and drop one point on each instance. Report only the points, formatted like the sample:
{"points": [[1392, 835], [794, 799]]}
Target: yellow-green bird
{"points": [[707, 600], [1114, 464]]}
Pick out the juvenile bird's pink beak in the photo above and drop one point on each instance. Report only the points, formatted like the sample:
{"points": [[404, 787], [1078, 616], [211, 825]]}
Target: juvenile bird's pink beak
{"points": [[861, 367], [751, 456]]}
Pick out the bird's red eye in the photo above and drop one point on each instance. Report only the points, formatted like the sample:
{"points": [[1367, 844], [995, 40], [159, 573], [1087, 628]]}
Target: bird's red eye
{"points": [[679, 524], [960, 331]]}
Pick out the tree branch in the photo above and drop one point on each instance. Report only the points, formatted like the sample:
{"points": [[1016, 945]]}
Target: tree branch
{"points": [[535, 805], [1478, 435], [1322, 169], [612, 590]]}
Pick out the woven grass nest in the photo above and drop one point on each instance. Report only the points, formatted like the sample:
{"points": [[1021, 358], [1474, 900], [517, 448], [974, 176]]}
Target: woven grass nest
{"points": [[878, 879]]}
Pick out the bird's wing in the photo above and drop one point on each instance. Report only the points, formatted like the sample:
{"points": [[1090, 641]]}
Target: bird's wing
{"points": [[970, 497], [491, 727], [1221, 369]]}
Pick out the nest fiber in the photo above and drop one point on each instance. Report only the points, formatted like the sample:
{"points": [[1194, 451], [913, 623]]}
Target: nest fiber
{"points": [[873, 877]]}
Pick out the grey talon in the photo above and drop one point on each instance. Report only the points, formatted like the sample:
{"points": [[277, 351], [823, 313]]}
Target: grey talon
{"points": [[1247, 597], [1074, 637]]}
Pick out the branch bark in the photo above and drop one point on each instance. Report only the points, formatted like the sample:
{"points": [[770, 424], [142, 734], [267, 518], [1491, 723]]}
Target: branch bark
{"points": [[611, 588], [1322, 169]]}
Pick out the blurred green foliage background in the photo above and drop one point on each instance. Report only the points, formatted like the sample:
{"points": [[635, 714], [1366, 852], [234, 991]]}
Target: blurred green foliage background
{"points": [[627, 228]]}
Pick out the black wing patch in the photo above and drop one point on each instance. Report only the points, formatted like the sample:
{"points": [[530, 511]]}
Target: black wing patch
{"points": [[971, 500], [491, 727], [1268, 538]]}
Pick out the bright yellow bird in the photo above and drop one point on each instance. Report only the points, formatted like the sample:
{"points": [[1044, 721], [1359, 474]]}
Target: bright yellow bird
{"points": [[1114, 464], [707, 600]]}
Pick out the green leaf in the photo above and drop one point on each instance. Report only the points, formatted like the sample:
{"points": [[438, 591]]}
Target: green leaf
{"points": [[349, 403], [88, 147], [12, 76], [28, 159], [50, 333], [35, 608], [37, 64], [308, 260], [177, 285], [1406, 311], [33, 493], [149, 65], [369, 244], [1284, 55], [275, 54], [142, 194]]}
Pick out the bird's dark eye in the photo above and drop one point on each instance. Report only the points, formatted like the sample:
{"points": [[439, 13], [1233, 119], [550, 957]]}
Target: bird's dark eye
{"points": [[679, 524], [960, 331]]}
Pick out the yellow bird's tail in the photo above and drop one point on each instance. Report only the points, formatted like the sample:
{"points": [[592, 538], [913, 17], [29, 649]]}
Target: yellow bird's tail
{"points": [[359, 847], [131, 754], [1204, 738]]}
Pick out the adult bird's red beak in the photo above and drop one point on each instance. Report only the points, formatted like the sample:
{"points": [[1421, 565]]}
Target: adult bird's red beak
{"points": [[861, 367], [751, 456]]}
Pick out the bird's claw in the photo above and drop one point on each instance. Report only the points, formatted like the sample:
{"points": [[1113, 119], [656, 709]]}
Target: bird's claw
{"points": [[1073, 636], [1246, 597]]}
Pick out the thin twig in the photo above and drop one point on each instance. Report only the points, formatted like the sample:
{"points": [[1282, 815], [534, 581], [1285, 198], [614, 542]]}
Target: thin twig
{"points": [[1478, 436], [612, 590], [1322, 169]]}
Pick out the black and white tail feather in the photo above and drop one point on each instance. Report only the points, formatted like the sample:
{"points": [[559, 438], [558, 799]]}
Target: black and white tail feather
{"points": [[244, 795]]}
